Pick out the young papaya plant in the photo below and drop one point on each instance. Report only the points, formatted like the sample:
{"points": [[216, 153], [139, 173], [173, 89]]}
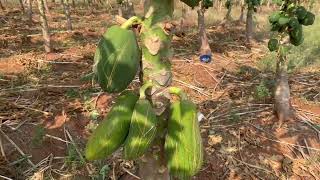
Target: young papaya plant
{"points": [[287, 25], [163, 137]]}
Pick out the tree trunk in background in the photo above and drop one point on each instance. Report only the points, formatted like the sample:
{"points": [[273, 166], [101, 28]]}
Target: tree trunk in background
{"points": [[73, 4], [1, 6], [220, 5], [182, 27], [120, 11], [204, 48], [228, 15], [46, 7], [249, 25], [241, 18], [282, 103], [44, 27], [66, 10], [21, 5], [126, 9], [268, 4], [29, 10]]}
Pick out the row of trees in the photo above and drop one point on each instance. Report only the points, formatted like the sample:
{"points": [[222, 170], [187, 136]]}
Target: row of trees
{"points": [[43, 8]]}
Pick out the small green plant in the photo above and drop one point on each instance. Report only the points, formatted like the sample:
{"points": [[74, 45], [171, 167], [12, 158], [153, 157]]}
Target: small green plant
{"points": [[72, 93], [94, 114], [38, 137], [262, 91], [234, 117], [72, 159]]}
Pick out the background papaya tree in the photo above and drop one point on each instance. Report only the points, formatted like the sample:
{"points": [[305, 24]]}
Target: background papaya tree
{"points": [[205, 50], [21, 5], [44, 26], [1, 6], [66, 9], [242, 9], [163, 137], [29, 10], [252, 6], [228, 5], [125, 8], [287, 23]]}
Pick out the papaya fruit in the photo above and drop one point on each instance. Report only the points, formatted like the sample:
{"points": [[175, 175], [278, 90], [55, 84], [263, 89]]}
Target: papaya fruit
{"points": [[300, 12], [283, 20], [275, 27], [296, 36], [273, 45], [207, 3], [142, 131], [116, 59], [274, 17], [183, 144], [113, 130], [309, 19], [293, 23]]}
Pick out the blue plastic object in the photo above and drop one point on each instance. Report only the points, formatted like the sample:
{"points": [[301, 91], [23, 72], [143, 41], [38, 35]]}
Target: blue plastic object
{"points": [[205, 58]]}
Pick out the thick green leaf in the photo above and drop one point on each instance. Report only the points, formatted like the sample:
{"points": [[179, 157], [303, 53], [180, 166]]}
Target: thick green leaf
{"points": [[116, 59]]}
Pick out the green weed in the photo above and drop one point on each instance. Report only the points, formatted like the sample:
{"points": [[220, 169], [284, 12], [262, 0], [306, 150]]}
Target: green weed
{"points": [[72, 93], [234, 117], [72, 159], [262, 92], [38, 137]]}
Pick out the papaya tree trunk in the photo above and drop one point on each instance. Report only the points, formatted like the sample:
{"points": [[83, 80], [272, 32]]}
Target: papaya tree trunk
{"points": [[249, 25], [120, 11], [66, 9], [220, 5], [73, 4], [1, 6], [44, 27], [180, 31], [156, 68], [282, 92], [45, 3], [204, 43], [21, 5], [126, 9], [29, 10], [241, 18], [228, 15]]}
